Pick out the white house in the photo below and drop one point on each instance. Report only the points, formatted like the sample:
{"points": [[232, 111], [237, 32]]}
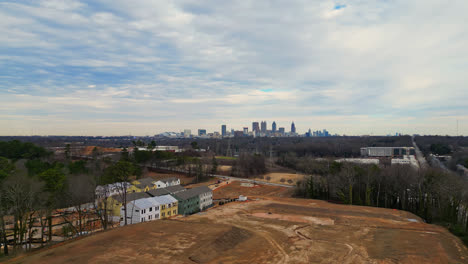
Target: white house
{"points": [[163, 183], [111, 189], [205, 195], [149, 209], [141, 210]]}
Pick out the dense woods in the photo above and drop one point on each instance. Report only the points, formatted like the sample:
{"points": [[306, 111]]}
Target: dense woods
{"points": [[436, 196]]}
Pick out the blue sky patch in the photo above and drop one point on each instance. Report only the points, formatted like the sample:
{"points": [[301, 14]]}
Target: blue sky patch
{"points": [[338, 6]]}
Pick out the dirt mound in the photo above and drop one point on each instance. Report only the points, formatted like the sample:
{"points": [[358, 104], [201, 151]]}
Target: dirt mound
{"points": [[220, 245]]}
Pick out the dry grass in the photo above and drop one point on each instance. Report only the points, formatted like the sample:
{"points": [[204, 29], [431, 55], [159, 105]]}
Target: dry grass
{"points": [[277, 177]]}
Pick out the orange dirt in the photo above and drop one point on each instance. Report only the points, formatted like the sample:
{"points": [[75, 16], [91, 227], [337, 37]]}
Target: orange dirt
{"points": [[274, 230], [271, 228], [234, 189], [88, 150], [156, 175]]}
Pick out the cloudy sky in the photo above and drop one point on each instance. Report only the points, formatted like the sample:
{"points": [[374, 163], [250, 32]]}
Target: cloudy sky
{"points": [[140, 67]]}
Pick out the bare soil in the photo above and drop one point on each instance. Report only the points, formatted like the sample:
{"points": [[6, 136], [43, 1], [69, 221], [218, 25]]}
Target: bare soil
{"points": [[268, 230], [234, 189]]}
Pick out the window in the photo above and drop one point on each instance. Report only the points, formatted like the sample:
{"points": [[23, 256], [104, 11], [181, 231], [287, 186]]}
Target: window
{"points": [[142, 219], [156, 216], [151, 209], [137, 210], [156, 208], [174, 212], [163, 214], [169, 213], [149, 217], [163, 207]]}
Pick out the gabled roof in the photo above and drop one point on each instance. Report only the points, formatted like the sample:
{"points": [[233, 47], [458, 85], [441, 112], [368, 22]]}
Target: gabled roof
{"points": [[131, 196], [182, 196], [166, 180], [175, 189], [143, 203], [143, 182], [165, 199], [191, 193], [168, 190], [158, 192], [113, 186], [202, 189]]}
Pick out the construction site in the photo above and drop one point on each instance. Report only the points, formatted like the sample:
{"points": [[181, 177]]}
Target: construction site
{"points": [[267, 228]]}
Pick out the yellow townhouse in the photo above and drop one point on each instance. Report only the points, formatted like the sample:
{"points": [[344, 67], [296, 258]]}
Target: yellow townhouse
{"points": [[168, 206]]}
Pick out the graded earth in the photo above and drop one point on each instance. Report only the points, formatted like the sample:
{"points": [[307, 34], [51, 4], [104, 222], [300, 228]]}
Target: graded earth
{"points": [[268, 230]]}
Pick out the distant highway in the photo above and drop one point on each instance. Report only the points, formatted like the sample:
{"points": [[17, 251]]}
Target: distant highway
{"points": [[422, 161]]}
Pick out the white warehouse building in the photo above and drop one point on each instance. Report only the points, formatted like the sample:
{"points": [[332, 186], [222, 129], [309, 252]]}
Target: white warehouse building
{"points": [[386, 151]]}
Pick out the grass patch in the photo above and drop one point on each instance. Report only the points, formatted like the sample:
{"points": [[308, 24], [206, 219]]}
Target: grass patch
{"points": [[225, 158]]}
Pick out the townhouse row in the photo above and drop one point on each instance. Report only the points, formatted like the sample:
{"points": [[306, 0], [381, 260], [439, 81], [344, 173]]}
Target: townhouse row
{"points": [[148, 199], [163, 205]]}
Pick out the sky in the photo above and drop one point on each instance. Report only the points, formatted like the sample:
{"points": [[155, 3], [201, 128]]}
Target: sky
{"points": [[142, 67]]}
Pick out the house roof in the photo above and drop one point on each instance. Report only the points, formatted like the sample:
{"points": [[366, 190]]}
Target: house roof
{"points": [[143, 203], [168, 190], [152, 201], [166, 180], [202, 189], [191, 193], [165, 199], [175, 189], [143, 182], [158, 192], [131, 196], [113, 186]]}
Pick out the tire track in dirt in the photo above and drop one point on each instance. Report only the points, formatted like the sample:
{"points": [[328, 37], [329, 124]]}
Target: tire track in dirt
{"points": [[270, 240], [344, 259]]}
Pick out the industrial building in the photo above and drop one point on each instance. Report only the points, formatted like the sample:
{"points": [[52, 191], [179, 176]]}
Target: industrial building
{"points": [[387, 151]]}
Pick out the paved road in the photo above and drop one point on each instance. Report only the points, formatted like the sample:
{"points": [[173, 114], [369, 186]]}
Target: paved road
{"points": [[228, 177], [422, 161]]}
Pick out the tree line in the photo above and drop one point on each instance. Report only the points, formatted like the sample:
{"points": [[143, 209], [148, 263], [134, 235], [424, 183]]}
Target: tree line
{"points": [[34, 183], [434, 195]]}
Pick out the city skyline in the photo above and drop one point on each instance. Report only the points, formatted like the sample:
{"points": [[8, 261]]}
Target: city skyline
{"points": [[82, 67]]}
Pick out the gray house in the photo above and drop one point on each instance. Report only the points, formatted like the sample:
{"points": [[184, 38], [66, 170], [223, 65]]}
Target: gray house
{"points": [[194, 200]]}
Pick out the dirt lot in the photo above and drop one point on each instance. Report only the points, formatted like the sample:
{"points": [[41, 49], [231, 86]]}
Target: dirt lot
{"points": [[184, 180], [277, 177], [270, 230], [234, 189], [88, 150]]}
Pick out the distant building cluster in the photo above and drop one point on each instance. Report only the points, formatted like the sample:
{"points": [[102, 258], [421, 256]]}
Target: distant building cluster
{"points": [[318, 133], [394, 155], [258, 129]]}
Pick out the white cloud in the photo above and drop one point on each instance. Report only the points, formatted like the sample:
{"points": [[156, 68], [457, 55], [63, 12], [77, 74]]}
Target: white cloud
{"points": [[403, 61]]}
